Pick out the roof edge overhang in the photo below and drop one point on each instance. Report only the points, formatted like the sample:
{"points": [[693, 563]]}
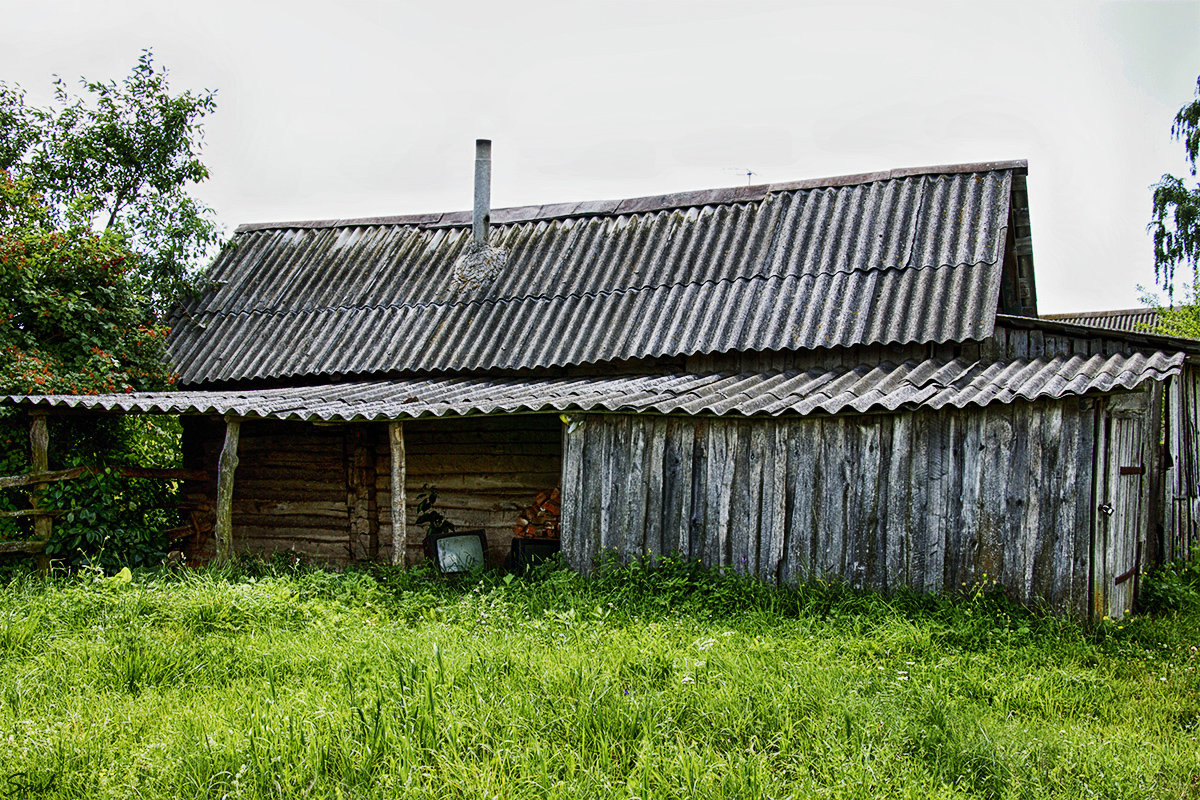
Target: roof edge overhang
{"points": [[886, 387]]}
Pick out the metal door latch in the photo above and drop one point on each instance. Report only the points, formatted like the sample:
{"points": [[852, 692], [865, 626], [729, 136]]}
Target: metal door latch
{"points": [[1106, 509]]}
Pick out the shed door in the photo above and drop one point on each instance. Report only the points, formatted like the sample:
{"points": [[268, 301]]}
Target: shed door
{"points": [[1122, 504]]}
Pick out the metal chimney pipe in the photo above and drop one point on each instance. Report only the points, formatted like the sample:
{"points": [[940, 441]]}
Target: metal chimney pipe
{"points": [[483, 191]]}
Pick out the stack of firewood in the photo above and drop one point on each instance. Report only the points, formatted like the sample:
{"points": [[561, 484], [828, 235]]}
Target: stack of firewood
{"points": [[540, 520]]}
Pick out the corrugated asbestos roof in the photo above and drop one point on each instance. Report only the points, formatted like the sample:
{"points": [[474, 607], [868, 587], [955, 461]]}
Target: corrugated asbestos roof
{"points": [[898, 257], [1130, 320], [931, 383]]}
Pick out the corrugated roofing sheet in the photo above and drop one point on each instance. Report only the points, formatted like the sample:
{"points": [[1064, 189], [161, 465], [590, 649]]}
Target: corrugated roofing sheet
{"points": [[1130, 320], [931, 383], [892, 258]]}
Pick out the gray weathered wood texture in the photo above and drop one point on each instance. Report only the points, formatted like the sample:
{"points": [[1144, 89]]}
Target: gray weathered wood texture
{"points": [[39, 462], [929, 500], [227, 464], [398, 496], [1182, 482], [1127, 423]]}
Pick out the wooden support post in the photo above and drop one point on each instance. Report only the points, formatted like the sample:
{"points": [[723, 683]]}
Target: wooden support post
{"points": [[399, 524], [39, 462], [226, 467]]}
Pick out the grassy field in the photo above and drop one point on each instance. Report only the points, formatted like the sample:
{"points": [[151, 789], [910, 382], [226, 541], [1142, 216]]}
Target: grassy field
{"points": [[269, 682]]}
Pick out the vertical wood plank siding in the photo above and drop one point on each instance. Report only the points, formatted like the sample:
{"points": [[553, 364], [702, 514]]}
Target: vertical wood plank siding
{"points": [[1182, 482], [930, 500]]}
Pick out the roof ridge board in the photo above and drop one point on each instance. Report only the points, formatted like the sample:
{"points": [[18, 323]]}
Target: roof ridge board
{"points": [[636, 205], [478, 301], [1112, 312]]}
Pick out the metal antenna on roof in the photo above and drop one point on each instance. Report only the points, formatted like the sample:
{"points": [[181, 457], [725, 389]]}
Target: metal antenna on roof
{"points": [[749, 173]]}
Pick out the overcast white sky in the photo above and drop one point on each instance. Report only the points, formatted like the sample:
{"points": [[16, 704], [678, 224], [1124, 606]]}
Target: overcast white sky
{"points": [[368, 107]]}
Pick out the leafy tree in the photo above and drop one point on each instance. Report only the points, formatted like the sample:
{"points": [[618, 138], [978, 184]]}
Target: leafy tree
{"points": [[98, 237], [72, 317], [1176, 206], [122, 157]]}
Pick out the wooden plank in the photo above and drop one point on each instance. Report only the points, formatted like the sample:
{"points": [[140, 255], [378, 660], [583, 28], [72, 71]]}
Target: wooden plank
{"points": [[804, 459], [226, 467], [830, 523], [398, 466], [1036, 571], [682, 433], [1042, 514], [39, 462], [774, 502], [896, 523], [866, 491], [594, 478], [575, 543], [262, 488], [655, 502], [360, 495], [718, 478], [936, 490], [745, 498], [696, 507], [32, 512], [293, 507], [22, 546], [633, 538], [1101, 524], [612, 444], [270, 528], [53, 476]]}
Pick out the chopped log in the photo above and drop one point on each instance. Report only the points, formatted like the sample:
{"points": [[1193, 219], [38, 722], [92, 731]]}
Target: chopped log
{"points": [[226, 467], [542, 519]]}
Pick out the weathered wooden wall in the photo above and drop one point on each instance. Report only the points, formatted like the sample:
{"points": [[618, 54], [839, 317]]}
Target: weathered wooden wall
{"points": [[485, 469], [290, 489], [930, 500], [1182, 484], [1128, 515]]}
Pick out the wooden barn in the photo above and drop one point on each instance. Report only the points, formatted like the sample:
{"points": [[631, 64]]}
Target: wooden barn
{"points": [[839, 378]]}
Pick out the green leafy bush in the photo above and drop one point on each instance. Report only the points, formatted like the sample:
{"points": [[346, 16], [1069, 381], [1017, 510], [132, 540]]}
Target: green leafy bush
{"points": [[1172, 587]]}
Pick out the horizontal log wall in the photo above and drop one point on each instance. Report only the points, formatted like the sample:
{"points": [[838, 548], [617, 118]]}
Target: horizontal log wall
{"points": [[485, 470], [930, 500], [289, 492]]}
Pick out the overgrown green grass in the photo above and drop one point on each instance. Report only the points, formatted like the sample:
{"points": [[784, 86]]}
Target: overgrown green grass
{"points": [[269, 682]]}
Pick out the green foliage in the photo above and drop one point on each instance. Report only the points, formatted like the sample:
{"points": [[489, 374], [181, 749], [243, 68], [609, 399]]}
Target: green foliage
{"points": [[1177, 319], [1175, 224], [73, 318], [433, 520], [99, 235], [1172, 587], [120, 158], [269, 678]]}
